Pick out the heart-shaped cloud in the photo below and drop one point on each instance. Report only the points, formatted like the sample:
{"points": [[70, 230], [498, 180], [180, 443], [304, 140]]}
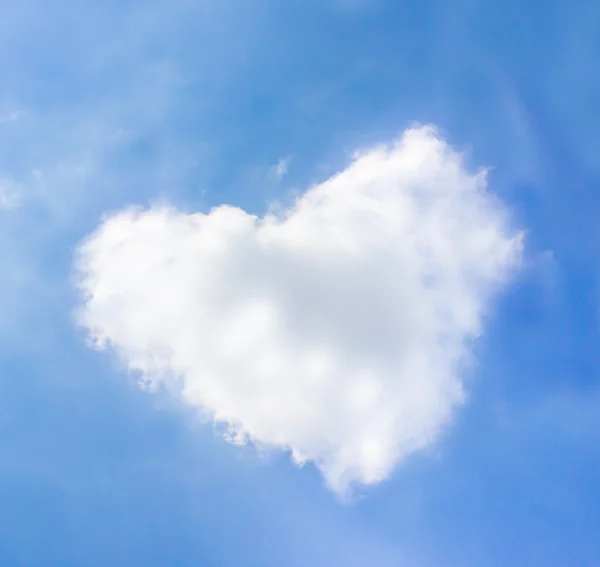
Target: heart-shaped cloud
{"points": [[336, 330]]}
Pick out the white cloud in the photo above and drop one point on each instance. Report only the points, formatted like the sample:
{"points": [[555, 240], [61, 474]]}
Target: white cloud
{"points": [[280, 169], [337, 331]]}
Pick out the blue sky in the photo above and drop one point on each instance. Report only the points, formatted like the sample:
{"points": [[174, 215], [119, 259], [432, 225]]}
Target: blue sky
{"points": [[106, 105]]}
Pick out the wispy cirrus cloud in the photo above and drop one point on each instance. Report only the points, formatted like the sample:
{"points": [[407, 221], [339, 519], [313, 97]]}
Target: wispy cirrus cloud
{"points": [[280, 169]]}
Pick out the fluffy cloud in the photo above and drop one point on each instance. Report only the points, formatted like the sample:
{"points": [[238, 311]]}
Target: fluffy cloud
{"points": [[337, 330]]}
